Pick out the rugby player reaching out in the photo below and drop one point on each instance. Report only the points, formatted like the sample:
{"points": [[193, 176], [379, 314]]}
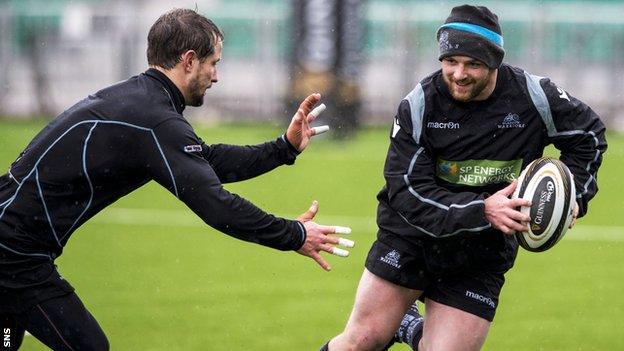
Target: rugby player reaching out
{"points": [[115, 141]]}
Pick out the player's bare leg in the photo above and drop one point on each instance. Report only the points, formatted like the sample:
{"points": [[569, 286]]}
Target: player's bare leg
{"points": [[377, 313], [447, 328]]}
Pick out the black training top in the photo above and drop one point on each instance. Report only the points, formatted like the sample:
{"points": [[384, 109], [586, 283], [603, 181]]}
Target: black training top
{"points": [[113, 142], [446, 156]]}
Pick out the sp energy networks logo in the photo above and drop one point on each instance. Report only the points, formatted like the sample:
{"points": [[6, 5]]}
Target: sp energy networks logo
{"points": [[448, 168], [392, 258], [512, 120], [478, 172]]}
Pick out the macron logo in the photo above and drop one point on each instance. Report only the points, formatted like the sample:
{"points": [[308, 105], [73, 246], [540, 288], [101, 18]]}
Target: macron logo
{"points": [[481, 298], [443, 125], [392, 258]]}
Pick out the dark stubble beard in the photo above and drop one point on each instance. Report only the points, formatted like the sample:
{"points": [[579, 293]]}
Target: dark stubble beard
{"points": [[478, 87], [196, 92]]}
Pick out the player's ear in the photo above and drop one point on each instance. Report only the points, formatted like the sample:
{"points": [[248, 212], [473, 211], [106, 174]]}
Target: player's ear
{"points": [[188, 59]]}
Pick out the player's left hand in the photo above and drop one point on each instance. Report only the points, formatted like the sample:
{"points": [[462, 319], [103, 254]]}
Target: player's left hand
{"points": [[317, 238], [502, 212], [299, 131], [575, 213]]}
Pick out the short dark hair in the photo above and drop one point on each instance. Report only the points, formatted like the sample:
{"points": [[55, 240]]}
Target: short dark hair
{"points": [[178, 31]]}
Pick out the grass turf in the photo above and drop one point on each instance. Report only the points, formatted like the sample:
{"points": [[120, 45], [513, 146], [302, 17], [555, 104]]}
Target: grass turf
{"points": [[156, 278]]}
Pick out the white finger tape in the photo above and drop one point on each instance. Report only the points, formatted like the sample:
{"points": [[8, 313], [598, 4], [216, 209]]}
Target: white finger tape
{"points": [[342, 230], [346, 242], [340, 252], [320, 130], [318, 110]]}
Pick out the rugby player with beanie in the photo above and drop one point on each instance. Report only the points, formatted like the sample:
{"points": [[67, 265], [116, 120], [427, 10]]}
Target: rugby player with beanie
{"points": [[446, 220]]}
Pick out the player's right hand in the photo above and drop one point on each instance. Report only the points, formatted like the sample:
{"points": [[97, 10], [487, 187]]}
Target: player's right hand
{"points": [[502, 213], [318, 238], [299, 131]]}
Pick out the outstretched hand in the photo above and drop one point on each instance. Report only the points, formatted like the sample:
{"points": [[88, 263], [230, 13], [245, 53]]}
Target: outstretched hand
{"points": [[299, 131], [502, 213], [317, 238]]}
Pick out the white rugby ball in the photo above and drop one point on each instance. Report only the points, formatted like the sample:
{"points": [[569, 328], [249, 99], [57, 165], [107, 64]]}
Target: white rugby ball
{"points": [[549, 185]]}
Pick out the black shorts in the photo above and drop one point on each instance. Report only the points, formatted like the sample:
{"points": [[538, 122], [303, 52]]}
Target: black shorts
{"points": [[25, 282], [453, 272]]}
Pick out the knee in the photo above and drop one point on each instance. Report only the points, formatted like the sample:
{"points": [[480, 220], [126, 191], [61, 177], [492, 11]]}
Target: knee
{"points": [[365, 339]]}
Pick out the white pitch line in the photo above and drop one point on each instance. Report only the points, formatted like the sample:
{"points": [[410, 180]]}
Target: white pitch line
{"points": [[595, 233], [185, 218]]}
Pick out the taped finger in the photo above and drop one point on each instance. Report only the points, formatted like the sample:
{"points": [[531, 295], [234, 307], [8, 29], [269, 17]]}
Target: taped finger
{"points": [[342, 230], [346, 242], [320, 130], [340, 252], [318, 110]]}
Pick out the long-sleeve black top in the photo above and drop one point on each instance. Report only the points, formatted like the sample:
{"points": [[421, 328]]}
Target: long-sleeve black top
{"points": [[446, 156], [113, 142]]}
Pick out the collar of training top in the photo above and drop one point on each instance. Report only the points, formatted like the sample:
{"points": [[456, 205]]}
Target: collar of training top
{"points": [[175, 94]]}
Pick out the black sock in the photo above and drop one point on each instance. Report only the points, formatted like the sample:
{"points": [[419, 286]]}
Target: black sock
{"points": [[325, 347]]}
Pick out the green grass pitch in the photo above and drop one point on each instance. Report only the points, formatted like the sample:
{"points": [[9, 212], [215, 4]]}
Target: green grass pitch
{"points": [[156, 278]]}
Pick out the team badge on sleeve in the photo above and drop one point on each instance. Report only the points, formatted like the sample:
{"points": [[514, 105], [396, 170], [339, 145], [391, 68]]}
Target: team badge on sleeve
{"points": [[193, 148]]}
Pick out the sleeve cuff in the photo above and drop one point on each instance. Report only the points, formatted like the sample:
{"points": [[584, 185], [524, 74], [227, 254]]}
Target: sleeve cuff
{"points": [[290, 146], [302, 235], [287, 153]]}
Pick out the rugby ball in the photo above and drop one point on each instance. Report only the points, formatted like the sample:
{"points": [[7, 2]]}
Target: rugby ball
{"points": [[549, 185]]}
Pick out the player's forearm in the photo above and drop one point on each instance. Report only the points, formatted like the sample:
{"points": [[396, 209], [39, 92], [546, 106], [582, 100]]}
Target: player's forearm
{"points": [[584, 163], [579, 133], [237, 217], [234, 163], [582, 146]]}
